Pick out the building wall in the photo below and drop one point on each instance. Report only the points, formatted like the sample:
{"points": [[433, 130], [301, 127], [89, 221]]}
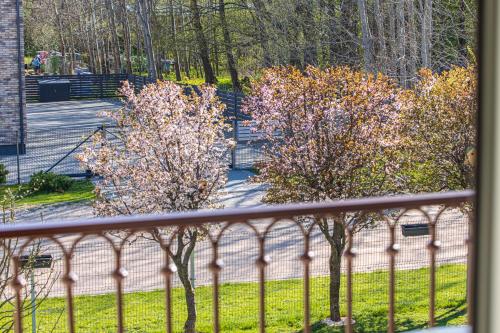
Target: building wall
{"points": [[9, 77]]}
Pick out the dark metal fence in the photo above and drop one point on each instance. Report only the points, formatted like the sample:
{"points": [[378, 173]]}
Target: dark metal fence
{"points": [[56, 149], [108, 85], [264, 244], [81, 86], [49, 150]]}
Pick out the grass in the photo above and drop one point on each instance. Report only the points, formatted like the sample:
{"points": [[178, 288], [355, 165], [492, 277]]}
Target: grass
{"points": [[223, 82], [80, 190], [145, 311]]}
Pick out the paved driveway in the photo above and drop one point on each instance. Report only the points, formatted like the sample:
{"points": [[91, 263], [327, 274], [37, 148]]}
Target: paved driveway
{"points": [[68, 114], [54, 130]]}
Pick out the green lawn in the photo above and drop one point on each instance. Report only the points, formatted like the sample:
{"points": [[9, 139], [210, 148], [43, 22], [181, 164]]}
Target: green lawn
{"points": [[223, 82], [79, 191], [145, 311]]}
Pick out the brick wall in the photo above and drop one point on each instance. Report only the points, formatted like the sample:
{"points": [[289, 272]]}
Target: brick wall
{"points": [[9, 78]]}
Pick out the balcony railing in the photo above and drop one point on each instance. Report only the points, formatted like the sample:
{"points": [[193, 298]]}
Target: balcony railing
{"points": [[386, 213]]}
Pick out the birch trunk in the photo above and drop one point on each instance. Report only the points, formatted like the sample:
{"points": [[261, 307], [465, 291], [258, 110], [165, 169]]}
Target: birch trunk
{"points": [[426, 45], [401, 41], [366, 36], [381, 42], [126, 36], [173, 29], [412, 40], [114, 37], [144, 18]]}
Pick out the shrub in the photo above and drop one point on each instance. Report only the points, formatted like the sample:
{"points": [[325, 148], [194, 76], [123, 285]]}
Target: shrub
{"points": [[335, 142], [49, 182], [3, 174], [438, 131]]}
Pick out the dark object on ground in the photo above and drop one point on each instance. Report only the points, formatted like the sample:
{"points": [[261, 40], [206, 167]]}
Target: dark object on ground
{"points": [[54, 90], [410, 230], [42, 261]]}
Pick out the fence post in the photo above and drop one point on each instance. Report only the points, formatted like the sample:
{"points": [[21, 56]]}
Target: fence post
{"points": [[17, 159], [235, 131], [192, 270], [235, 138], [101, 78], [235, 104], [33, 301]]}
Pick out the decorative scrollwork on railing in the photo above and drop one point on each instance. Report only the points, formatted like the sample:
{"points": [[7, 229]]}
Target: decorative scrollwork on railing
{"points": [[168, 231]]}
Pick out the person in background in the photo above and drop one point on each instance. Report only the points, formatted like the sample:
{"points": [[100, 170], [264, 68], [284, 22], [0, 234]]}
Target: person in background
{"points": [[37, 63]]}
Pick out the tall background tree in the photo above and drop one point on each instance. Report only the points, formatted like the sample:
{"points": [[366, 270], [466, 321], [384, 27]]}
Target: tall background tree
{"points": [[207, 39]]}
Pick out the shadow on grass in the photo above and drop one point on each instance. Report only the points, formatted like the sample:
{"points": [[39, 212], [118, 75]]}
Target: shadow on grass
{"points": [[377, 322]]}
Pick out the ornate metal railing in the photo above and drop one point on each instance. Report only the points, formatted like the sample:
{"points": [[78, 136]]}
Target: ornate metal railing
{"points": [[388, 211]]}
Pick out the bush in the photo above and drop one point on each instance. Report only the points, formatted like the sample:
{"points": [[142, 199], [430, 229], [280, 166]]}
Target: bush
{"points": [[49, 182], [3, 174]]}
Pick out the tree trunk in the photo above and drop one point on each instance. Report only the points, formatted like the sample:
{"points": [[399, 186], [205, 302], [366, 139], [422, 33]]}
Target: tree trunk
{"points": [[348, 53], [293, 45], [261, 14], [62, 43], [126, 37], [202, 43], [401, 41], [304, 11], [187, 60], [174, 41], [97, 53], [213, 36], [332, 32], [190, 324], [381, 42], [181, 260], [462, 35], [366, 36], [143, 14], [336, 239], [231, 63], [393, 55], [426, 34], [412, 40], [117, 64], [334, 262]]}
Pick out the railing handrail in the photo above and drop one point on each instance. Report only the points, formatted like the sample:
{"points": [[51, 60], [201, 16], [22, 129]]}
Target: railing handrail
{"points": [[233, 215]]}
